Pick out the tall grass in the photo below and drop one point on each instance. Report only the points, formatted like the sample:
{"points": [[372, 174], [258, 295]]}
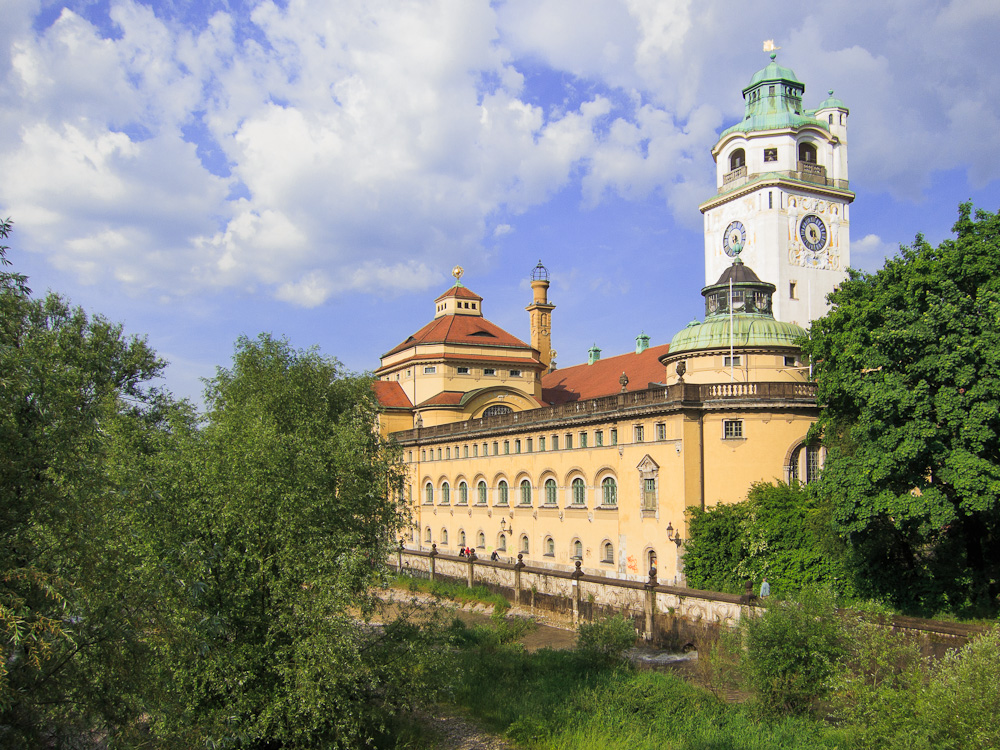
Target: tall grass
{"points": [[456, 592]]}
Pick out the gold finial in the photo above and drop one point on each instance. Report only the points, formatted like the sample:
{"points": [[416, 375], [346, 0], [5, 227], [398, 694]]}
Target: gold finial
{"points": [[457, 272], [769, 46]]}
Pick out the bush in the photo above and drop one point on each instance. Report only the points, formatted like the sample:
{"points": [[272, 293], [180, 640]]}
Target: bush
{"points": [[607, 640], [791, 651]]}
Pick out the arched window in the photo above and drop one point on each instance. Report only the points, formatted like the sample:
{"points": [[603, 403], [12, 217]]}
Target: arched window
{"points": [[608, 553], [550, 492], [502, 543], [461, 537], [463, 493], [609, 492], [481, 540], [550, 547], [650, 560], [497, 410], [737, 159], [445, 494], [579, 492], [577, 550], [525, 492], [481, 489], [524, 544], [807, 152], [427, 535], [805, 464], [429, 494], [444, 536], [503, 495]]}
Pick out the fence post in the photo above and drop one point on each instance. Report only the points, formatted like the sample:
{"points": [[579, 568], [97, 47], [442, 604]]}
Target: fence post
{"points": [[650, 608], [433, 555], [517, 579], [576, 576], [471, 559]]}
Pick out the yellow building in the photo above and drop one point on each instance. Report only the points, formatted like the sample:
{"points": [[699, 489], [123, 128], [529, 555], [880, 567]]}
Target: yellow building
{"points": [[599, 462]]}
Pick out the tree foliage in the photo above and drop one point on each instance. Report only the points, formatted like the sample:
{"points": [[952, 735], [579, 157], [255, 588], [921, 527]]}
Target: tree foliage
{"points": [[908, 367], [780, 531], [70, 623]]}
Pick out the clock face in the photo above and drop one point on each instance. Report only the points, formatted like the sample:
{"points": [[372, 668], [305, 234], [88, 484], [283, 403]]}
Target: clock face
{"points": [[734, 239], [812, 231]]}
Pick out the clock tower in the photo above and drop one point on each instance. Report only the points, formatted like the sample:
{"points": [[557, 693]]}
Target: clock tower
{"points": [[782, 197]]}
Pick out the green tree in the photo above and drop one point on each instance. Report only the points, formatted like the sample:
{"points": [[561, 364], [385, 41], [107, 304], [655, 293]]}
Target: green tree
{"points": [[780, 531], [908, 366], [70, 628], [279, 513]]}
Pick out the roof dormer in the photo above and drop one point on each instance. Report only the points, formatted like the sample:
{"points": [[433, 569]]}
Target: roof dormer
{"points": [[458, 300]]}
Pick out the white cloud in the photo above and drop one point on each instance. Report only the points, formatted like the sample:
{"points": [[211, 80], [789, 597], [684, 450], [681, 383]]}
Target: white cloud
{"points": [[353, 146]]}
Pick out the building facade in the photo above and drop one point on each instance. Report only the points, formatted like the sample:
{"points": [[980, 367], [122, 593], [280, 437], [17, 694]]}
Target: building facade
{"points": [[600, 462]]}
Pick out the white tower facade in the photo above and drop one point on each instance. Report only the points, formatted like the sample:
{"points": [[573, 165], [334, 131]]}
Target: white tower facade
{"points": [[782, 201]]}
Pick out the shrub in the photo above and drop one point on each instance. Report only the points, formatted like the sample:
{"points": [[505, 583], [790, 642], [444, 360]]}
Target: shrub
{"points": [[606, 640], [791, 651]]}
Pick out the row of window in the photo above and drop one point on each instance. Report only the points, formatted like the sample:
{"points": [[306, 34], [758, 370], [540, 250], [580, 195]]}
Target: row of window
{"points": [[524, 545], [738, 158], [545, 442], [501, 497], [487, 371]]}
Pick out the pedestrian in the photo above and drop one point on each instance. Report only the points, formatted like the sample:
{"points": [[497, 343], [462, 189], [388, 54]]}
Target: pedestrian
{"points": [[461, 552], [765, 589], [494, 557]]}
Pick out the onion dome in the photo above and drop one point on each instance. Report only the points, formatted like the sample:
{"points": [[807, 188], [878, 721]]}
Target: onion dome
{"points": [[774, 102]]}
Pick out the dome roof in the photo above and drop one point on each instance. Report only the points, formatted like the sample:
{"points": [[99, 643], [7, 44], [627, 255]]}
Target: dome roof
{"points": [[749, 331], [832, 102], [773, 72]]}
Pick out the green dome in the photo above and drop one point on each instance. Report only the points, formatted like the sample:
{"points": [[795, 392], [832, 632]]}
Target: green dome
{"points": [[773, 72], [749, 331], [832, 102]]}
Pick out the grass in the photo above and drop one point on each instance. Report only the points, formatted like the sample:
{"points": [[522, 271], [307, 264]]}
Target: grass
{"points": [[456, 592], [563, 700]]}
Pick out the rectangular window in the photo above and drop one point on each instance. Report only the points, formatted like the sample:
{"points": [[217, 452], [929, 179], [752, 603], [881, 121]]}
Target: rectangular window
{"points": [[528, 446], [790, 362], [639, 433], [661, 431], [465, 451], [506, 447], [569, 442], [541, 444], [515, 373], [439, 454], [475, 450], [555, 442], [770, 154], [496, 448], [447, 452], [649, 494], [770, 200], [583, 439], [614, 437], [463, 370], [598, 438], [732, 429], [517, 446], [409, 456], [489, 371], [430, 370], [791, 290], [423, 455], [732, 361]]}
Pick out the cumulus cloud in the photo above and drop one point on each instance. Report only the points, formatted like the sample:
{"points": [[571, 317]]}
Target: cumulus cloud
{"points": [[309, 149]]}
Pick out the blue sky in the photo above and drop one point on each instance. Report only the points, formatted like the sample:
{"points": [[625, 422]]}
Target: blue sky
{"points": [[202, 170]]}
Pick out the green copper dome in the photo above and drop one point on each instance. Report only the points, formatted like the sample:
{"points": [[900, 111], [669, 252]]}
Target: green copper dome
{"points": [[750, 330], [751, 322], [832, 102], [774, 102]]}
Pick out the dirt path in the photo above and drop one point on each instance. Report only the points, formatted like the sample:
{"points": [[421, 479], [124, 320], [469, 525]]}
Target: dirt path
{"points": [[452, 731]]}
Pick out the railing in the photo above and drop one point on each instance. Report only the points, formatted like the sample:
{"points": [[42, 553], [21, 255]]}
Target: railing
{"points": [[805, 172], [669, 397]]}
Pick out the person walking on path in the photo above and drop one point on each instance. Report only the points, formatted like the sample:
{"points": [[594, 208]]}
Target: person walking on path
{"points": [[765, 589]]}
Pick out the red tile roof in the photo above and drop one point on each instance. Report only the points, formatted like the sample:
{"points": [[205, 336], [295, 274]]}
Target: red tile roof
{"points": [[460, 291], [461, 329], [444, 398], [390, 394], [601, 378]]}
